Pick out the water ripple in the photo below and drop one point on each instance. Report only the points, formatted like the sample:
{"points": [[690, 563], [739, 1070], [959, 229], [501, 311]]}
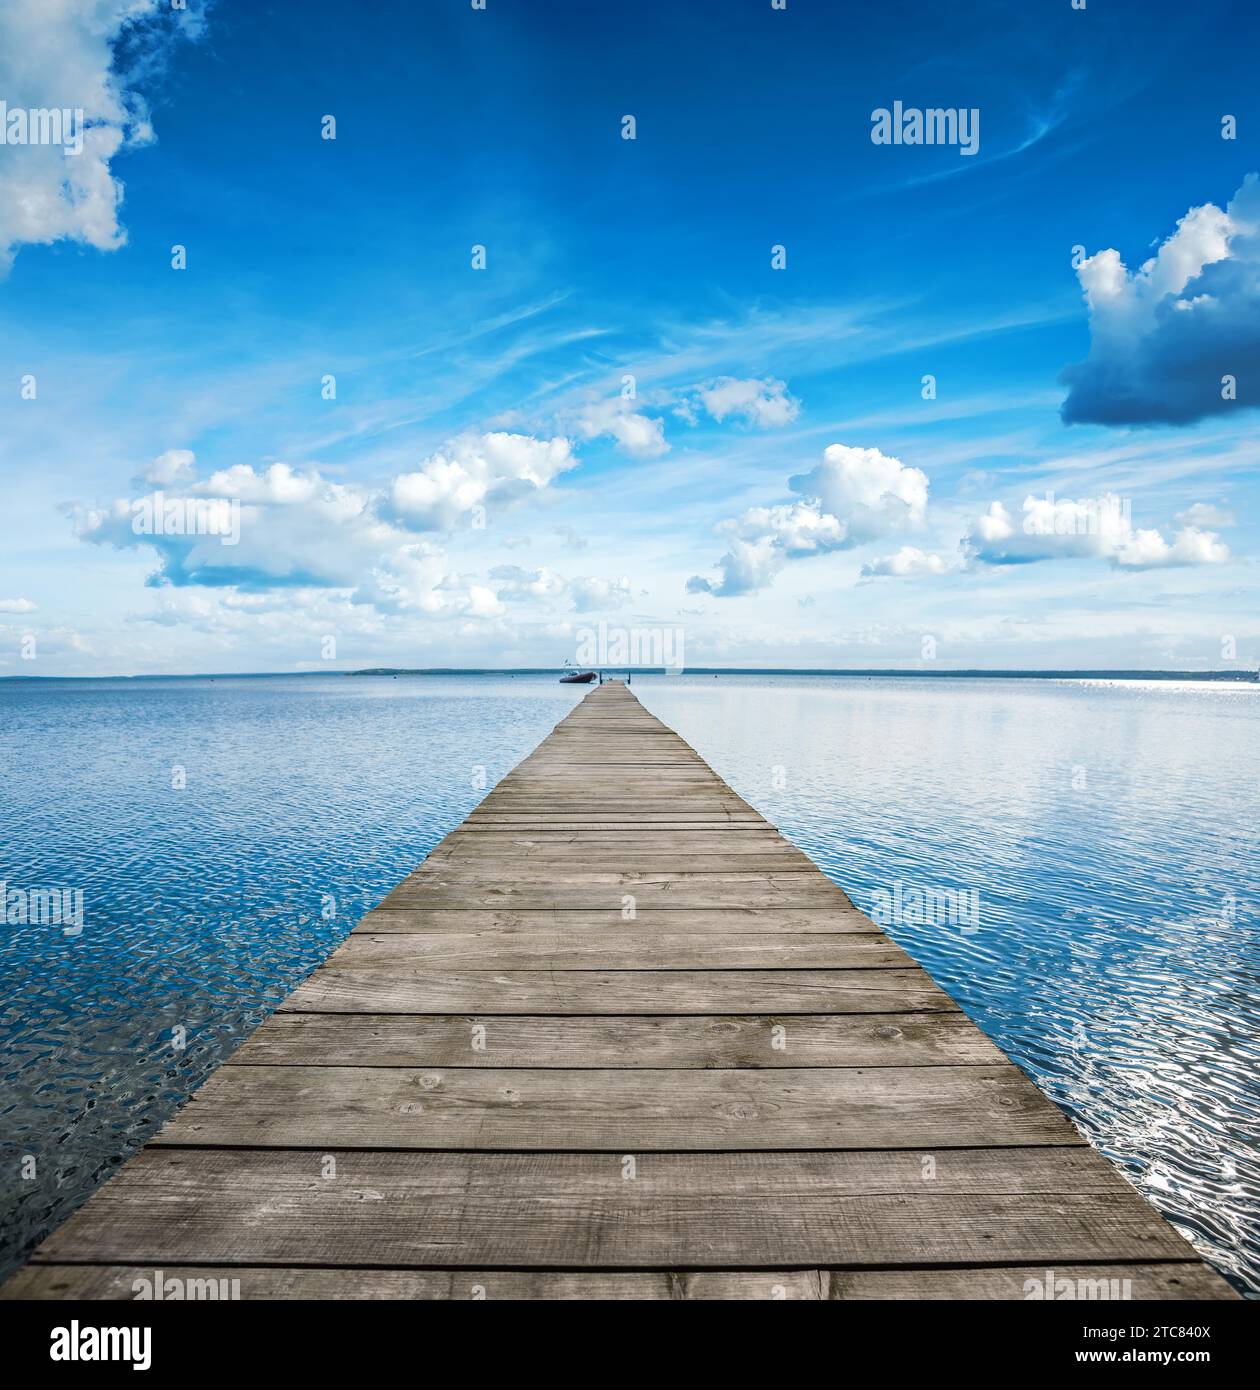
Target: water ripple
{"points": [[305, 801], [1107, 829]]}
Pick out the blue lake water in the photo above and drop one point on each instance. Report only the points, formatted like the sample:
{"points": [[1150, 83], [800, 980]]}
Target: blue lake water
{"points": [[226, 833]]}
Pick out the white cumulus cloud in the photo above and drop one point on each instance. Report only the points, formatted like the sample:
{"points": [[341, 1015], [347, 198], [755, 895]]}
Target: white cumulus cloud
{"points": [[60, 55], [514, 582], [873, 492], [1086, 528], [1190, 546], [586, 593], [763, 403], [797, 528], [635, 434], [1178, 338], [1206, 514], [590, 595], [476, 470], [905, 563], [298, 530], [174, 466], [852, 496]]}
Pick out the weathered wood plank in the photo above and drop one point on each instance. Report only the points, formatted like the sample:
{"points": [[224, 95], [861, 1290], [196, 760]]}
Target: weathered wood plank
{"points": [[586, 950], [703, 892], [655, 866], [716, 920], [675, 870], [564, 848], [567, 1211], [338, 989], [622, 1110], [261, 1282], [706, 815], [728, 838], [1147, 1282], [447, 1040]]}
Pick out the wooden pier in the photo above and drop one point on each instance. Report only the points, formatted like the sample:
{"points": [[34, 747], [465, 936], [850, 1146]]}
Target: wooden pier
{"points": [[617, 1038]]}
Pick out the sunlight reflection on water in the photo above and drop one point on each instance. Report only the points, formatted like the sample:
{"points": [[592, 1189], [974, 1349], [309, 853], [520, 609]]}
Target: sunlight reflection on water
{"points": [[1108, 828]]}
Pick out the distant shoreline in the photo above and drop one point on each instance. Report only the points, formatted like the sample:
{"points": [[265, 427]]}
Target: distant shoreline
{"points": [[1240, 677]]}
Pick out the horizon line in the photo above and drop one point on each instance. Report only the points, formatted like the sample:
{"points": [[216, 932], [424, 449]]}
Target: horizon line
{"points": [[1242, 675]]}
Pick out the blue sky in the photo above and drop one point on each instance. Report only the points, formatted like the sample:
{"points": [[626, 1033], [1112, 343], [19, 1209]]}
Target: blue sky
{"points": [[1080, 490]]}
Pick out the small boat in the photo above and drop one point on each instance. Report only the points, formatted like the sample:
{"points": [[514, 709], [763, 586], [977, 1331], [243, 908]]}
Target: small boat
{"points": [[571, 677]]}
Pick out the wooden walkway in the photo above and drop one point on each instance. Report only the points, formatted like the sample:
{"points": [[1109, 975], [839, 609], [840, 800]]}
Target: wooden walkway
{"points": [[616, 1037]]}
